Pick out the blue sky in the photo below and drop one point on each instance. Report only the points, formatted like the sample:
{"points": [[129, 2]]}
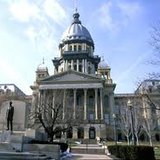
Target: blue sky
{"points": [[32, 29]]}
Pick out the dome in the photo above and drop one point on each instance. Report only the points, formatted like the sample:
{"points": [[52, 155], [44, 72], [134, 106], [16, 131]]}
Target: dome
{"points": [[103, 64], [76, 31], [42, 67]]}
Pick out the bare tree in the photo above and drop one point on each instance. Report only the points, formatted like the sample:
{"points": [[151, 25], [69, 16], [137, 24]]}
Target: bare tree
{"points": [[150, 115], [155, 43], [124, 123], [56, 116]]}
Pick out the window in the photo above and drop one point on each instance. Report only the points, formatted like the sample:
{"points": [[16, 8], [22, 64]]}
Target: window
{"points": [[106, 118], [91, 101], [106, 103], [75, 48], [69, 66], [75, 67], [79, 47], [70, 48], [89, 70], [80, 68], [91, 117]]}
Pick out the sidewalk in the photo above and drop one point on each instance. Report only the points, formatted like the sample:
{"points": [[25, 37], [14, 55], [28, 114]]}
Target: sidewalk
{"points": [[90, 156]]}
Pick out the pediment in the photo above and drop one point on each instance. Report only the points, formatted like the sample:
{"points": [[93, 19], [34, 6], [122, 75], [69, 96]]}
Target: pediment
{"points": [[71, 76]]}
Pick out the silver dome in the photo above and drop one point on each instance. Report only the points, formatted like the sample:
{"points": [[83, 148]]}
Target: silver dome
{"points": [[76, 31], [103, 64]]}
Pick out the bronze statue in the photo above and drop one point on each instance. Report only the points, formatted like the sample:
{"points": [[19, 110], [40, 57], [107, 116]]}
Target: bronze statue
{"points": [[10, 113]]}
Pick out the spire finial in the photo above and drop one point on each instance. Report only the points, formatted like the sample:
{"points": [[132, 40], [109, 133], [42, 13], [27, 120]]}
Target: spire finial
{"points": [[43, 60], [102, 58], [75, 6]]}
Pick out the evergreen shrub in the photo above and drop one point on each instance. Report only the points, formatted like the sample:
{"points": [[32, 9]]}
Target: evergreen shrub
{"points": [[132, 152]]}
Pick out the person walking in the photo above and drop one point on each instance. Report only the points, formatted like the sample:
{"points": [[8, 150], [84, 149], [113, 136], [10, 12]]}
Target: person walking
{"points": [[10, 113]]}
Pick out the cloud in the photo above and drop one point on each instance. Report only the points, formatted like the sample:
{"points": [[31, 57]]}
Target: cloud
{"points": [[23, 11], [14, 75], [55, 11], [41, 18], [106, 19], [130, 9], [115, 15]]}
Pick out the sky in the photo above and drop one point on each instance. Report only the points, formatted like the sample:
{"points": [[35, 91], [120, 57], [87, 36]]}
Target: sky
{"points": [[31, 30]]}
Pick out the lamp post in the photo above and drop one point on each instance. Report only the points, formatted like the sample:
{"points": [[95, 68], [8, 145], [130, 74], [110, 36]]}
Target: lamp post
{"points": [[130, 106], [115, 133]]}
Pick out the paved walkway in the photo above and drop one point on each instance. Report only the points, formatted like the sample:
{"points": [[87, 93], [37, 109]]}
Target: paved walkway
{"points": [[90, 156]]}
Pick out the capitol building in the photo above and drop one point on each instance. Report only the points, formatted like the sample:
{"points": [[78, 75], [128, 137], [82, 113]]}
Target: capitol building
{"points": [[84, 80]]}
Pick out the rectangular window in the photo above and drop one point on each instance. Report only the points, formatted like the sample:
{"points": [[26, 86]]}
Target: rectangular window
{"points": [[79, 47], [70, 48], [91, 117], [75, 48]]}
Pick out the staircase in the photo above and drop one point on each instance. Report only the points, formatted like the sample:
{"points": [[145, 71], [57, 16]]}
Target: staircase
{"points": [[88, 149]]}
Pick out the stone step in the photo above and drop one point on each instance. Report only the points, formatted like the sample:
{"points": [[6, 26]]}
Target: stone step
{"points": [[88, 148], [21, 155]]}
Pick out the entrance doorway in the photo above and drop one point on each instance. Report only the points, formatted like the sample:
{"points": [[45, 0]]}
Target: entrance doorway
{"points": [[80, 133], [92, 133]]}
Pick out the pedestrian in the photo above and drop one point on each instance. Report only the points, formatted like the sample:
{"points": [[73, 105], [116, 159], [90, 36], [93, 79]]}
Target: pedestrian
{"points": [[9, 115]]}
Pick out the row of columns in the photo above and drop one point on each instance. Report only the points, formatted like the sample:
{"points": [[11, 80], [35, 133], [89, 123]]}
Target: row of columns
{"points": [[84, 65], [99, 131], [75, 102]]}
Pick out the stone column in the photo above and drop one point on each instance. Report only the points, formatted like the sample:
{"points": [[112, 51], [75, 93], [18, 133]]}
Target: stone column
{"points": [[111, 103], [96, 113], [74, 133], [77, 65], [64, 102], [66, 68], [72, 64], [86, 66], [101, 102], [83, 66], [85, 104], [86, 132], [64, 65], [74, 105]]}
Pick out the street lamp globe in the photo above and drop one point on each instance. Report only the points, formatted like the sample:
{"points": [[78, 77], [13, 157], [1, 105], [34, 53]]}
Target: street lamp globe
{"points": [[129, 103]]}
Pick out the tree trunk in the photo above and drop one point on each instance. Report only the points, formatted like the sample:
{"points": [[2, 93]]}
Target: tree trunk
{"points": [[128, 140], [50, 137], [150, 140], [137, 141]]}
